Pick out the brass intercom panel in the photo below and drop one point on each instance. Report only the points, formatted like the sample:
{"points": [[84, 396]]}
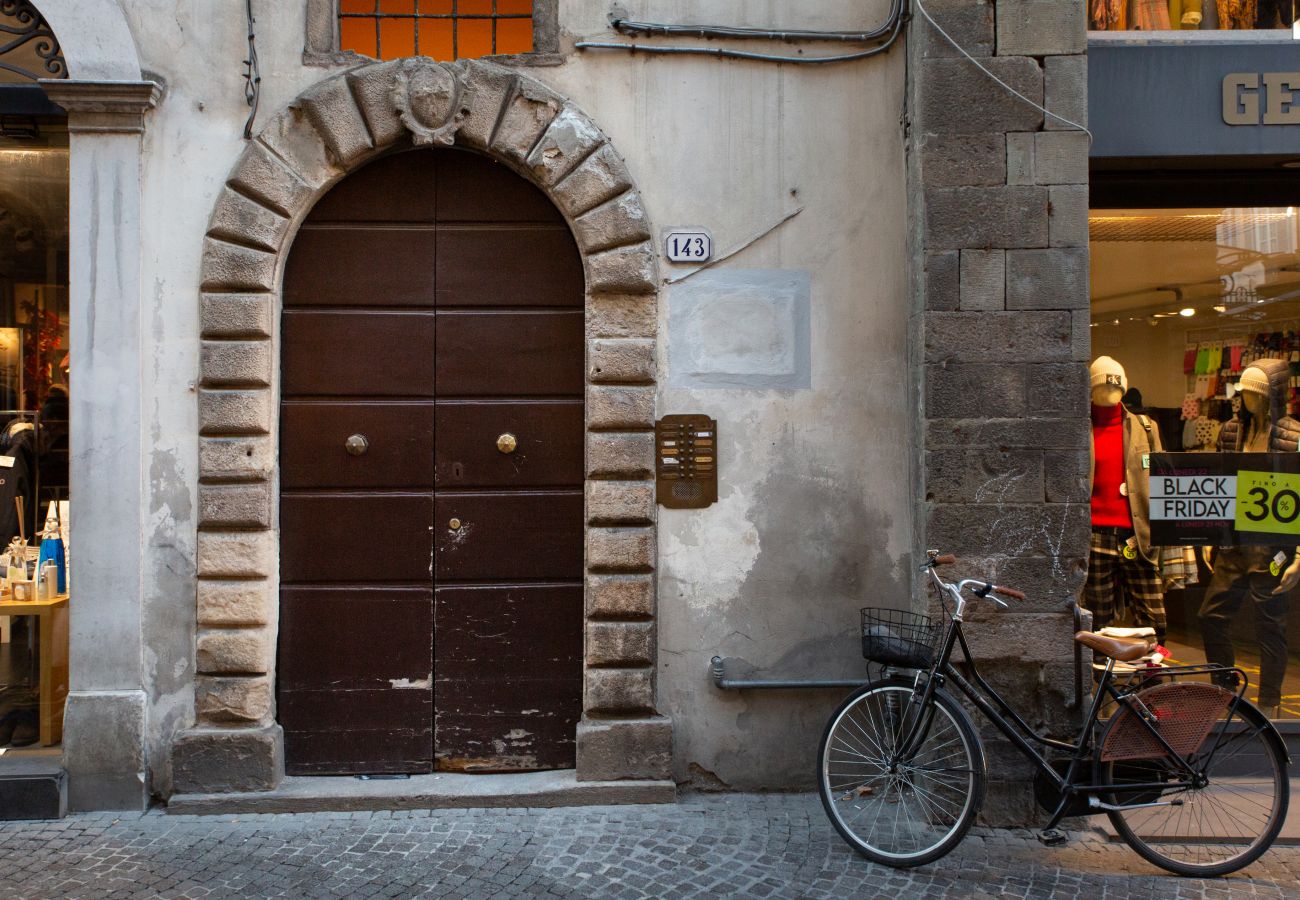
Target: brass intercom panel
{"points": [[686, 461]]}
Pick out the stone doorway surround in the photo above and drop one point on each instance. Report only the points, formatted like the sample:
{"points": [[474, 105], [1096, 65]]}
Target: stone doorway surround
{"points": [[327, 132]]}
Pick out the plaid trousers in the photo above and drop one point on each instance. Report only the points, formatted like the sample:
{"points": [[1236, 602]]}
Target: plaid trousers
{"points": [[1117, 586]]}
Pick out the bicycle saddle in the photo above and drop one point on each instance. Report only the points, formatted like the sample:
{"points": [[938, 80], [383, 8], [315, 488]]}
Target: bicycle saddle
{"points": [[1118, 649]]}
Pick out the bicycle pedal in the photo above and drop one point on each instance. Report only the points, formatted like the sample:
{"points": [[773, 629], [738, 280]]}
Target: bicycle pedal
{"points": [[1052, 837]]}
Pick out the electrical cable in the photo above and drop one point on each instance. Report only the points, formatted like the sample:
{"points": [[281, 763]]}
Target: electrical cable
{"points": [[925, 13], [626, 26], [889, 31]]}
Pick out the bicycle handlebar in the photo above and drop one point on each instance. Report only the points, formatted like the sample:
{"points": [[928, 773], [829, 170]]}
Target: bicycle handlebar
{"points": [[1009, 592], [946, 559]]}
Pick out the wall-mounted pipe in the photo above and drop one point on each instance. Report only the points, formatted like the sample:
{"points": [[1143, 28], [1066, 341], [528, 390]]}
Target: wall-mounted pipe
{"points": [[718, 671]]}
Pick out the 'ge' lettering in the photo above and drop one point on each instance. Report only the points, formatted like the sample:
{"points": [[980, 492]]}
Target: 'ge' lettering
{"points": [[1244, 99]]}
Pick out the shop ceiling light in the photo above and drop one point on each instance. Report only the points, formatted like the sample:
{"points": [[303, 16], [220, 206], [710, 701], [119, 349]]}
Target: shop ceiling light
{"points": [[1186, 311], [1291, 164]]}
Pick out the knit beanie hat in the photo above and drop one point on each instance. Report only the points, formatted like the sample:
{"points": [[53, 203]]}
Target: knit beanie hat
{"points": [[1254, 379], [1105, 370]]}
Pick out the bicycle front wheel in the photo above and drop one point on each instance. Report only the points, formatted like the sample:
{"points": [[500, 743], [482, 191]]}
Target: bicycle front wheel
{"points": [[896, 811], [1225, 820]]}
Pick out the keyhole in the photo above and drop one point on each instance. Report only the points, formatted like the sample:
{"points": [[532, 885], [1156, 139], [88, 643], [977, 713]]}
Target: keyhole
{"points": [[457, 470]]}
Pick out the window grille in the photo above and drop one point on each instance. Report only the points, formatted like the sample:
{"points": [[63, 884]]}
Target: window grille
{"points": [[442, 29], [28, 48]]}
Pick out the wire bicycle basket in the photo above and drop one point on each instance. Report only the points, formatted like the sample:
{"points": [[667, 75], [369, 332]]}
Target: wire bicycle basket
{"points": [[896, 637]]}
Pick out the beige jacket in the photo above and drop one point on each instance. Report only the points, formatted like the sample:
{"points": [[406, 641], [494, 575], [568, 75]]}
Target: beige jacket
{"points": [[1141, 437]]}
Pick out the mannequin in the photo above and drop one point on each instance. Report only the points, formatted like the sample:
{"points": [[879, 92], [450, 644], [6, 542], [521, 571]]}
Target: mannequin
{"points": [[1265, 575], [1122, 570]]}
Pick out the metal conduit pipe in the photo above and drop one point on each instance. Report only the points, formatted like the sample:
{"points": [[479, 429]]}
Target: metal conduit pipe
{"points": [[628, 27], [718, 671]]}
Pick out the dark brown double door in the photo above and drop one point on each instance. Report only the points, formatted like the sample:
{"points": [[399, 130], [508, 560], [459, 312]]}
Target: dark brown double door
{"points": [[431, 574]]}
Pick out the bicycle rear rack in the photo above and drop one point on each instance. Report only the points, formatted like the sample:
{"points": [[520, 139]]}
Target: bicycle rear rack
{"points": [[718, 671]]}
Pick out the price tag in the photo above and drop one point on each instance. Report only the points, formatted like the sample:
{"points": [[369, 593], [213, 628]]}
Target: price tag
{"points": [[1268, 501], [7, 462]]}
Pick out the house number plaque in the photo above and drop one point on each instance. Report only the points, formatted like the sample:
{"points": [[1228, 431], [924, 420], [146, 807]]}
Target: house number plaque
{"points": [[686, 461]]}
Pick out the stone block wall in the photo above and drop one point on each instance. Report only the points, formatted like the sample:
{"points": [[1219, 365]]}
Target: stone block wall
{"points": [[999, 246]]}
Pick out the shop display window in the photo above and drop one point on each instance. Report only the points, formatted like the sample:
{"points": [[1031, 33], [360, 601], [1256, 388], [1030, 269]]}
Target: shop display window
{"points": [[34, 429], [1191, 15], [1192, 304]]}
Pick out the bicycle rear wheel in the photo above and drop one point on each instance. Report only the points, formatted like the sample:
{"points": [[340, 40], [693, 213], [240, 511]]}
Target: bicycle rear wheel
{"points": [[1220, 826], [900, 812]]}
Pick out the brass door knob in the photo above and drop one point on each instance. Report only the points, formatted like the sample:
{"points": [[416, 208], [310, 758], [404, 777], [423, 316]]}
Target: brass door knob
{"points": [[453, 525], [356, 444], [507, 443]]}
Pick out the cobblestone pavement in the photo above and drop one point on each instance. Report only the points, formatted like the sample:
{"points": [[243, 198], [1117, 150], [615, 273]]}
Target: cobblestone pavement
{"points": [[720, 845]]}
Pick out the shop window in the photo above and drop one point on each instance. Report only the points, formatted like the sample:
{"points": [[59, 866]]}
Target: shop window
{"points": [[1191, 15], [1186, 302], [441, 29], [34, 387]]}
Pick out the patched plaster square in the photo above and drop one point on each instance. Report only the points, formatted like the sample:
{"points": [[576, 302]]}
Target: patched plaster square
{"points": [[741, 328]]}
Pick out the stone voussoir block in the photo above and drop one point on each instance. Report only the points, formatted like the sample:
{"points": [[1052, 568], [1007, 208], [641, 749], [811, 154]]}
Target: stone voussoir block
{"points": [[260, 173], [241, 220], [235, 362], [570, 138], [235, 411], [236, 554], [230, 603], [620, 502], [236, 315], [619, 690], [233, 651], [630, 269], [332, 109], [620, 643], [487, 88], [235, 505], [620, 406], [614, 749], [619, 315], [620, 549], [602, 175], [530, 111], [372, 88], [245, 458], [614, 223], [235, 268], [233, 700], [620, 596], [612, 454], [292, 136], [226, 760], [615, 361]]}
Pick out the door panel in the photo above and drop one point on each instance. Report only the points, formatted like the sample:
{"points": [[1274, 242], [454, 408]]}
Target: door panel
{"points": [[508, 537], [433, 302], [357, 354], [357, 538], [399, 445], [509, 354], [508, 266], [364, 266], [548, 450]]}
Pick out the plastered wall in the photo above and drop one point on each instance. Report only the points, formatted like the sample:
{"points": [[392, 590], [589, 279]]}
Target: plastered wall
{"points": [[814, 516]]}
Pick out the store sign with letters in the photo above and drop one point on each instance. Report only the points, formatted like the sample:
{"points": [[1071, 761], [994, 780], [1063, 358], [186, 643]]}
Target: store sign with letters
{"points": [[1225, 499]]}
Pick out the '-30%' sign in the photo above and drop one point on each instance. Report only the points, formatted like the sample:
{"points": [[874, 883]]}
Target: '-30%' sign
{"points": [[1225, 499]]}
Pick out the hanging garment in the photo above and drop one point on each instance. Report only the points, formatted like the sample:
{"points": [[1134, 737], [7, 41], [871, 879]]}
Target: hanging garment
{"points": [[1189, 360], [17, 479], [1150, 15], [1108, 15]]}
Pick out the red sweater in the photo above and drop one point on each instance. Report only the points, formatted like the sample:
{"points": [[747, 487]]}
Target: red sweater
{"points": [[1109, 506]]}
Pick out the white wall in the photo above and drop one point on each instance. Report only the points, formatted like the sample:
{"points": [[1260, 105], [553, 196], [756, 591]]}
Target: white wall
{"points": [[814, 515]]}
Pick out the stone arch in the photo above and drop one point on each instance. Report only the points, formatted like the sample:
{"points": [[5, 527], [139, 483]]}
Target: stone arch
{"points": [[330, 130], [96, 39]]}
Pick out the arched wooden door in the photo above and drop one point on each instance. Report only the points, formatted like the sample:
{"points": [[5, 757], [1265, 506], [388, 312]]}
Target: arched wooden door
{"points": [[431, 470]]}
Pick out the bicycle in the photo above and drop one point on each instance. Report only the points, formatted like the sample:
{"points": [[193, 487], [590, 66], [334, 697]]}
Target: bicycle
{"points": [[1192, 775]]}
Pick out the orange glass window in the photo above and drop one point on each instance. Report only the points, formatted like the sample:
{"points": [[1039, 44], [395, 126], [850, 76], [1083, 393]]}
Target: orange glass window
{"points": [[442, 29]]}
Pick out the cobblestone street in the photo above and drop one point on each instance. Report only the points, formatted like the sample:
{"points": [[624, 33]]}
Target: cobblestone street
{"points": [[729, 845]]}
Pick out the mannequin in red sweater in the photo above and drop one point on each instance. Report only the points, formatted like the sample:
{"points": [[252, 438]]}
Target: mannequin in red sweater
{"points": [[1122, 570]]}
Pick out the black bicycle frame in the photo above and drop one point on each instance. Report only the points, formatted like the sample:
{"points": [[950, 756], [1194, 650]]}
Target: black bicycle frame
{"points": [[1018, 731]]}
